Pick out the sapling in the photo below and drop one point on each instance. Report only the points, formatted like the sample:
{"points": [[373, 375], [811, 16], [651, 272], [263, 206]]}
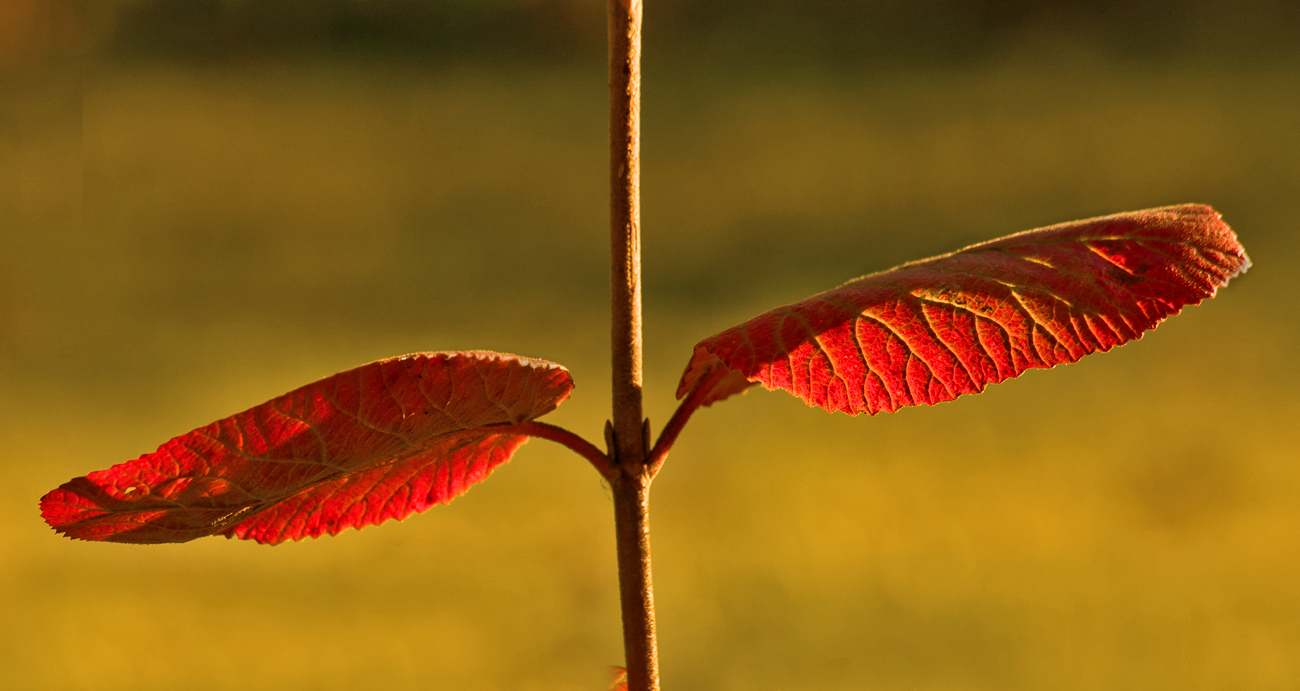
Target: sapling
{"points": [[397, 436]]}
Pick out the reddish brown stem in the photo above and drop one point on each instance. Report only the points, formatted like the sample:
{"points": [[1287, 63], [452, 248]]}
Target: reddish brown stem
{"points": [[680, 417], [636, 594], [631, 479], [563, 436], [625, 225]]}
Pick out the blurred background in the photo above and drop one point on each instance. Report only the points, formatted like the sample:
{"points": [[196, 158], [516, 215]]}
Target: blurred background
{"points": [[206, 203]]}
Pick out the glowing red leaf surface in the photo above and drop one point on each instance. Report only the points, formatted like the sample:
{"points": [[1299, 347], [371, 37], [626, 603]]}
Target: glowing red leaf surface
{"points": [[932, 330], [377, 442]]}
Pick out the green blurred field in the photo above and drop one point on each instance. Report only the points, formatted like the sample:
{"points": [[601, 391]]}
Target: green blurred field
{"points": [[180, 240]]}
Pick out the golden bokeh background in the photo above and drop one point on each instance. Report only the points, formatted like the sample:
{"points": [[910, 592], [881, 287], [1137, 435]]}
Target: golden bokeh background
{"points": [[205, 203]]}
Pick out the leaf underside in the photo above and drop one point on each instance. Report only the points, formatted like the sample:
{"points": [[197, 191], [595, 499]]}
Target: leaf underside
{"points": [[381, 441], [929, 331]]}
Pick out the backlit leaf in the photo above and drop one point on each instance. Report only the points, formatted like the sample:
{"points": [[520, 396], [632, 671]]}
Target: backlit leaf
{"points": [[929, 331], [380, 441]]}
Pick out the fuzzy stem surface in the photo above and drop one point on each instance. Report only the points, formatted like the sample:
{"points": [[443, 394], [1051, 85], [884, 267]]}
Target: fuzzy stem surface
{"points": [[632, 526], [631, 478], [625, 224]]}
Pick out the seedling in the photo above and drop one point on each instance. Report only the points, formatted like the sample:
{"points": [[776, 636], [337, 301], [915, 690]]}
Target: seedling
{"points": [[397, 436]]}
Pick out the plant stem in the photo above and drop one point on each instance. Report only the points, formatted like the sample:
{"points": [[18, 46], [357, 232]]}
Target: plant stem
{"points": [[680, 417], [625, 223], [574, 442], [631, 479], [632, 527]]}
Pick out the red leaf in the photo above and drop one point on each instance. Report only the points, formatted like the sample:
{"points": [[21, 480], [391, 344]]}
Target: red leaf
{"points": [[932, 330], [620, 680], [380, 441]]}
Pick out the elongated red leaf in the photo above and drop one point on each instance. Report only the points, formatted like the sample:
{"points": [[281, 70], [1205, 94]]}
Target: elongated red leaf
{"points": [[380, 441], [932, 330]]}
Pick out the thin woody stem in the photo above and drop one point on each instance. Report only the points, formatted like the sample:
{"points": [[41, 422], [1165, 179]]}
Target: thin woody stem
{"points": [[636, 596], [625, 224], [630, 481]]}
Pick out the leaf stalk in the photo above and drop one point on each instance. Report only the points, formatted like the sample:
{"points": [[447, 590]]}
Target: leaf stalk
{"points": [[688, 406], [577, 444]]}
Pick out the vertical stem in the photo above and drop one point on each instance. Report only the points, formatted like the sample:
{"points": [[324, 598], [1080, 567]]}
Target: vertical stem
{"points": [[625, 221], [632, 527], [631, 482]]}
